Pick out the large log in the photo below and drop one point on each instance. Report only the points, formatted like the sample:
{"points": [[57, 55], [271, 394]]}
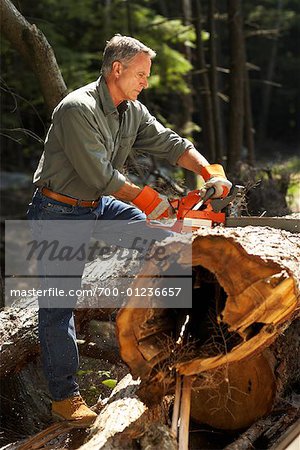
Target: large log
{"points": [[18, 326], [123, 418], [126, 418], [21, 380], [161, 359], [19, 342], [245, 304]]}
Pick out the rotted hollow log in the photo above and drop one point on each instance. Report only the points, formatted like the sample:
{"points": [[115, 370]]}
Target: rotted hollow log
{"points": [[245, 296]]}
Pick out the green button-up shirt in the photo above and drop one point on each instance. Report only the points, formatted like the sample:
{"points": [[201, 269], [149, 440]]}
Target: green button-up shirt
{"points": [[89, 140]]}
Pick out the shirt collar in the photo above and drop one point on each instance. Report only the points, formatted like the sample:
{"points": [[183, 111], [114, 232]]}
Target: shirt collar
{"points": [[106, 100]]}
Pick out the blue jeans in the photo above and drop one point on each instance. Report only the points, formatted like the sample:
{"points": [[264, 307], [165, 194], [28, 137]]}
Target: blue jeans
{"points": [[56, 325]]}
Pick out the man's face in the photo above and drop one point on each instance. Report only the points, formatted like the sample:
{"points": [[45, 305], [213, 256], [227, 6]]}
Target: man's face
{"points": [[133, 77]]}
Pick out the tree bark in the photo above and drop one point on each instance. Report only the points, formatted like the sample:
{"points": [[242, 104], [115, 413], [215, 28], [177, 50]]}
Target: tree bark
{"points": [[34, 48], [130, 22], [18, 327], [124, 418], [236, 89], [187, 99], [18, 339], [267, 89], [266, 428], [205, 94], [214, 84], [247, 282], [249, 128]]}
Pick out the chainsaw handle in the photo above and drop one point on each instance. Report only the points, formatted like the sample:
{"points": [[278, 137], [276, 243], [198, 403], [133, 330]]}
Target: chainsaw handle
{"points": [[208, 194]]}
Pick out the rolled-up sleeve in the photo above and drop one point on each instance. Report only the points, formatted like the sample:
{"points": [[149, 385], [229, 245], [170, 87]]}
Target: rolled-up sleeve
{"points": [[154, 138], [85, 148]]}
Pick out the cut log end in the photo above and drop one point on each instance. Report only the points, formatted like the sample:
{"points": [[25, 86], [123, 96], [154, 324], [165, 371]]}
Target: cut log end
{"points": [[243, 298], [236, 396]]}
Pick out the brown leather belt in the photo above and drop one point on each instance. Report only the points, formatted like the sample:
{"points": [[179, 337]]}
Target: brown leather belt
{"points": [[69, 200]]}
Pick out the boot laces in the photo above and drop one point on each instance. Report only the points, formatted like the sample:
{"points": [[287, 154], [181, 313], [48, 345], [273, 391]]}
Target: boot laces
{"points": [[77, 401]]}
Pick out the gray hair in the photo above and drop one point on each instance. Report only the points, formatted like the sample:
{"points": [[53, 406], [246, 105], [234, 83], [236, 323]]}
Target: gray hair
{"points": [[123, 49]]}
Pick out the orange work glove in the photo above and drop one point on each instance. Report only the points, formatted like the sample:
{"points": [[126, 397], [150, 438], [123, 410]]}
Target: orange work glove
{"points": [[214, 176], [153, 204]]}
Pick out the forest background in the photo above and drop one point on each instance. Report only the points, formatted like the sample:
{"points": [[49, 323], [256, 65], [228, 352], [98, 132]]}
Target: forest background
{"points": [[226, 76]]}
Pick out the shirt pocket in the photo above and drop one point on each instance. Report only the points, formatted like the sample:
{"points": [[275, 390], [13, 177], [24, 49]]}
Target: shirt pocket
{"points": [[125, 146], [126, 142]]}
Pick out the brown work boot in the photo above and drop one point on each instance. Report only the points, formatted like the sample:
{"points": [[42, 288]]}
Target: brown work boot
{"points": [[74, 410]]}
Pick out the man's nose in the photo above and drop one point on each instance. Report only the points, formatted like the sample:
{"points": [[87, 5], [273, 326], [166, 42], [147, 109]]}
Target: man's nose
{"points": [[145, 83]]}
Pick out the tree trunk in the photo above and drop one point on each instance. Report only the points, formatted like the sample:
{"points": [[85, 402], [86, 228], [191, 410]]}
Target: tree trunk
{"points": [[187, 99], [108, 17], [236, 90], [34, 48], [249, 129], [267, 89], [214, 84], [245, 296], [205, 95], [130, 27], [268, 429], [124, 418], [18, 327], [244, 318]]}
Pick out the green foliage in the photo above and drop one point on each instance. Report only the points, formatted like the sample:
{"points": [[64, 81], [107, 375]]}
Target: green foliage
{"points": [[267, 16], [291, 165], [78, 29], [111, 383], [104, 373], [98, 375], [290, 170], [173, 67], [82, 372], [167, 38]]}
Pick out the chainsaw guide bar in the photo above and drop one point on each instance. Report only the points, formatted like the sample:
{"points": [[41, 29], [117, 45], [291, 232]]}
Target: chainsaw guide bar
{"points": [[282, 223], [197, 210]]}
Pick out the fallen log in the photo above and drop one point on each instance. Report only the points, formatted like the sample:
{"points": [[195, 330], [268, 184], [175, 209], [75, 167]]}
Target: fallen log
{"points": [[18, 339], [124, 419], [25, 402], [159, 362], [265, 429], [245, 306], [19, 342], [18, 326]]}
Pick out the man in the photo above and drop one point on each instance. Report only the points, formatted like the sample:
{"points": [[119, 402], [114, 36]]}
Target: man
{"points": [[93, 131]]}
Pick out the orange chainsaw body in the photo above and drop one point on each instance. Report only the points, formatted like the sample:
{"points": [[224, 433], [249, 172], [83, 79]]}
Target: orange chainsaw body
{"points": [[184, 210]]}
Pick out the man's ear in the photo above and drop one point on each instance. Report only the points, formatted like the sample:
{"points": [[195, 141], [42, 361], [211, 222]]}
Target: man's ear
{"points": [[117, 68]]}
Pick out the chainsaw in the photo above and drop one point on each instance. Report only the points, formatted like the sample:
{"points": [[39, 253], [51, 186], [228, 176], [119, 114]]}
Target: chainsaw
{"points": [[196, 210]]}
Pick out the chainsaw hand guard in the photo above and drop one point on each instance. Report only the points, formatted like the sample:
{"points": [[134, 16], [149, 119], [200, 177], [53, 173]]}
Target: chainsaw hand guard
{"points": [[153, 204]]}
